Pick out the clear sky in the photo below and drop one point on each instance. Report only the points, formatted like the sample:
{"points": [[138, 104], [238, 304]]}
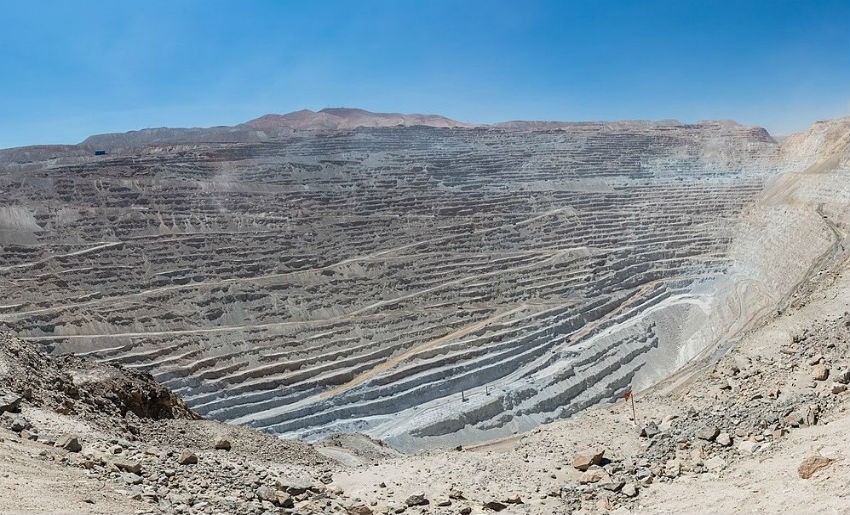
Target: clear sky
{"points": [[71, 69]]}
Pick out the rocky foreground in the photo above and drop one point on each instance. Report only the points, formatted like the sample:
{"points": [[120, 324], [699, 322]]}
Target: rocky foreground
{"points": [[101, 439]]}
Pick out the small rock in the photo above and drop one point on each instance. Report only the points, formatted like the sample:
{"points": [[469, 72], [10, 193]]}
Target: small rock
{"points": [[27, 434], [131, 479], [649, 430], [673, 468], [820, 372], [749, 446], [294, 485], [17, 424], [715, 463], [127, 465], [843, 377], [612, 485], [838, 388], [187, 457], [265, 493], [417, 500], [466, 510], [594, 474], [443, 502], [69, 442], [811, 465], [494, 506], [10, 402], [708, 433], [359, 509], [630, 490], [516, 499], [456, 495], [583, 460], [222, 444], [284, 500], [724, 439]]}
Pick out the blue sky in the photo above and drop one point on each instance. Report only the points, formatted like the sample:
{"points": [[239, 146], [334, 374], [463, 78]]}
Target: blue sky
{"points": [[72, 69]]}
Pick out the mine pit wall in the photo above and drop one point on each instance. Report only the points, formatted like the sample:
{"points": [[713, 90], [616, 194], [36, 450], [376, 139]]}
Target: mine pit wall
{"points": [[792, 231], [515, 377], [795, 229]]}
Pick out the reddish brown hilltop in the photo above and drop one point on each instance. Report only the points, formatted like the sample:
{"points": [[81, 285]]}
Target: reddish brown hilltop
{"points": [[348, 118]]}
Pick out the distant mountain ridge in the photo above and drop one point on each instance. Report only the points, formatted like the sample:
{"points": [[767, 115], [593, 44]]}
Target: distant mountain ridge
{"points": [[350, 118], [272, 126]]}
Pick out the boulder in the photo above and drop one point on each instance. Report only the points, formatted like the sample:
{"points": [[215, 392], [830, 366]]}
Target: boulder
{"points": [[69, 442], [649, 430], [284, 500], [612, 485], [586, 458], [749, 446], [673, 468], [820, 372], [359, 509], [187, 457], [812, 464], [708, 433], [10, 402], [417, 500], [294, 485], [131, 479], [594, 474], [715, 463], [494, 506], [17, 424], [265, 493], [456, 495], [127, 465]]}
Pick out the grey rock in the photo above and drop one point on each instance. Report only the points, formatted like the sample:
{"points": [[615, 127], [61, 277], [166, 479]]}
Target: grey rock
{"points": [[724, 439], [265, 493], [17, 424], [417, 500], [715, 463], [69, 442], [126, 465], [494, 506], [649, 430], [131, 478], [10, 402], [707, 433], [749, 446]]}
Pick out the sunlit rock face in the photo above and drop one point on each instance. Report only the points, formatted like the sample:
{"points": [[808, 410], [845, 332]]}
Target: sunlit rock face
{"points": [[425, 285]]}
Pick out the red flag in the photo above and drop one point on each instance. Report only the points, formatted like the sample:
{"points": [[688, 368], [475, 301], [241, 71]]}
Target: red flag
{"points": [[627, 395]]}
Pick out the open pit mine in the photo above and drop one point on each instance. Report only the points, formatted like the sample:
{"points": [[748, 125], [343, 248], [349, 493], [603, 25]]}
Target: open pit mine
{"points": [[426, 282]]}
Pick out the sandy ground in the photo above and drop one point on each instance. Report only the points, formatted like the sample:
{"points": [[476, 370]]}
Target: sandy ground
{"points": [[770, 484], [31, 485]]}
